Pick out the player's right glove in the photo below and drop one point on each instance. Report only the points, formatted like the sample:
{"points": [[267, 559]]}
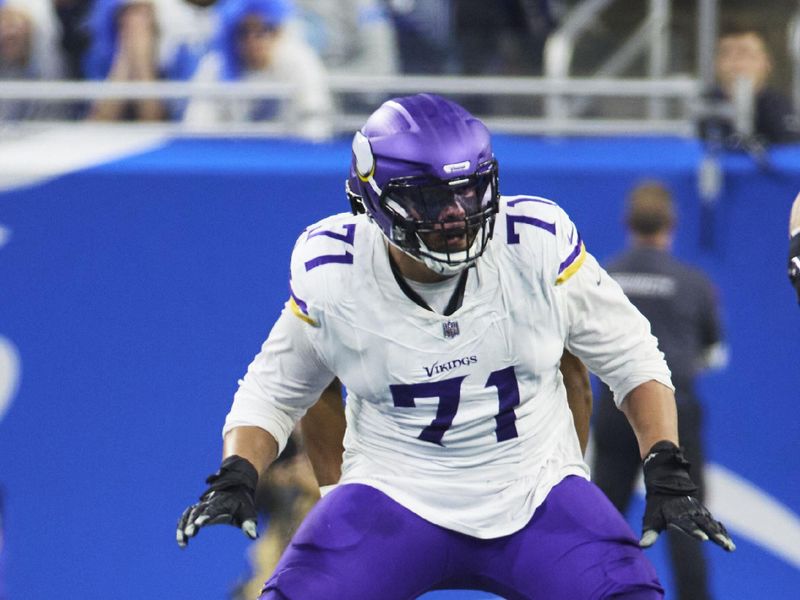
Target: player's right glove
{"points": [[229, 499], [794, 264], [671, 502]]}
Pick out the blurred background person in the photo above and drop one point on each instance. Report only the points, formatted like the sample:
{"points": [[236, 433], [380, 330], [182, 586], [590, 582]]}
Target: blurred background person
{"points": [[254, 44], [425, 36], [681, 305], [794, 246], [505, 41], [29, 51], [508, 40], [743, 59], [284, 497], [124, 48], [187, 34], [72, 16], [352, 37]]}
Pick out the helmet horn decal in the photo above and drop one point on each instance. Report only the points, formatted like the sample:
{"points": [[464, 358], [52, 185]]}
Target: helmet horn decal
{"points": [[365, 160]]}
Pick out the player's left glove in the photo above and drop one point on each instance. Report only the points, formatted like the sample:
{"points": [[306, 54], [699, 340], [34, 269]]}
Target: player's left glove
{"points": [[671, 501], [794, 264], [229, 499]]}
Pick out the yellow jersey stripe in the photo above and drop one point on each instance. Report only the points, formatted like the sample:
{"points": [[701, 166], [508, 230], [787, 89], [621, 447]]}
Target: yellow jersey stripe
{"points": [[300, 314], [573, 267]]}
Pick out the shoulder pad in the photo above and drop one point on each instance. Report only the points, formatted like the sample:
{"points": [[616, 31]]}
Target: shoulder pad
{"points": [[543, 234], [322, 262]]}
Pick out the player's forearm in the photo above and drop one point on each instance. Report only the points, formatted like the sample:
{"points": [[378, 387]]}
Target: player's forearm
{"points": [[253, 444], [650, 409], [579, 395]]}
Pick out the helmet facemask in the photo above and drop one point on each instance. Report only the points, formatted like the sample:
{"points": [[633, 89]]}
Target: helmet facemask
{"points": [[446, 224]]}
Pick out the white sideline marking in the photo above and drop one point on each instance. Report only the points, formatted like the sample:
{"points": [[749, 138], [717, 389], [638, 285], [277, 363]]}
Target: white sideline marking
{"points": [[754, 514], [748, 511], [9, 374], [43, 155]]}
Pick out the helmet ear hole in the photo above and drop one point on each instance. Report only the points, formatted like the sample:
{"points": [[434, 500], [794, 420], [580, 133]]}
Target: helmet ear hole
{"points": [[364, 159]]}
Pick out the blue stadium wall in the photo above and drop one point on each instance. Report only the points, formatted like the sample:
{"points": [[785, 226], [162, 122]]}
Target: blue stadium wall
{"points": [[133, 294]]}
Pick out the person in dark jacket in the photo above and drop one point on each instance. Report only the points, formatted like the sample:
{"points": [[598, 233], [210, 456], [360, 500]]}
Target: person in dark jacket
{"points": [[681, 305]]}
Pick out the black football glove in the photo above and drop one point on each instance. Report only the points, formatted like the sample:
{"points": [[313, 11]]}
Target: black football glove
{"points": [[229, 499], [794, 264], [671, 501]]}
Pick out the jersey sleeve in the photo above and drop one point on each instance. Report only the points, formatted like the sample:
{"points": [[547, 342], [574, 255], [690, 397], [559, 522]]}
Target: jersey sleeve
{"points": [[544, 238], [284, 379], [290, 372], [321, 269], [608, 333]]}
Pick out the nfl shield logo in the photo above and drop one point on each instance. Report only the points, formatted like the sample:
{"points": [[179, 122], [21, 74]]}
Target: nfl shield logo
{"points": [[450, 329]]}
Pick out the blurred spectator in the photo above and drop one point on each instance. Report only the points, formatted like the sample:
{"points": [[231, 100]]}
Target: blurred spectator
{"points": [[508, 40], [681, 304], [283, 498], [125, 47], [28, 51], [43, 58], [16, 35], [351, 36], [253, 44], [187, 33], [425, 36], [72, 15], [742, 58]]}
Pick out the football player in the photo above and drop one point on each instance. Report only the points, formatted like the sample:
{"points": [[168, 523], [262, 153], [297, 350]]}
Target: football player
{"points": [[444, 308]]}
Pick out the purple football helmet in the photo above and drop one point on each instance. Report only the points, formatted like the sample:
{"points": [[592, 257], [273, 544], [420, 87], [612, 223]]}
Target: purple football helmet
{"points": [[424, 172]]}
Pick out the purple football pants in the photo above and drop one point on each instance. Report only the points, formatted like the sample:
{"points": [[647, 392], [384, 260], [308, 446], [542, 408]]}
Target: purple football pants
{"points": [[359, 544]]}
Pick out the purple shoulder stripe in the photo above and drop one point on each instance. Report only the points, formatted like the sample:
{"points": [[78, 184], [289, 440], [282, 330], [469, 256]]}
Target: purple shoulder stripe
{"points": [[348, 237], [530, 199], [301, 304], [572, 255]]}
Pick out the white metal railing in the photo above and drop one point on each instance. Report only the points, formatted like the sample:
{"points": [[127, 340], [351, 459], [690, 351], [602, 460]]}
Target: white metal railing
{"points": [[685, 89], [678, 87], [652, 36]]}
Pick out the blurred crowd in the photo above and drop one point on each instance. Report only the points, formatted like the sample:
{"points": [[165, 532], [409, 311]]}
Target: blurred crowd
{"points": [[292, 42]]}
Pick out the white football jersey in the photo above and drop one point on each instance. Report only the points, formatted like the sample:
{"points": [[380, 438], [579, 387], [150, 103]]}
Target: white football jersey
{"points": [[463, 419]]}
